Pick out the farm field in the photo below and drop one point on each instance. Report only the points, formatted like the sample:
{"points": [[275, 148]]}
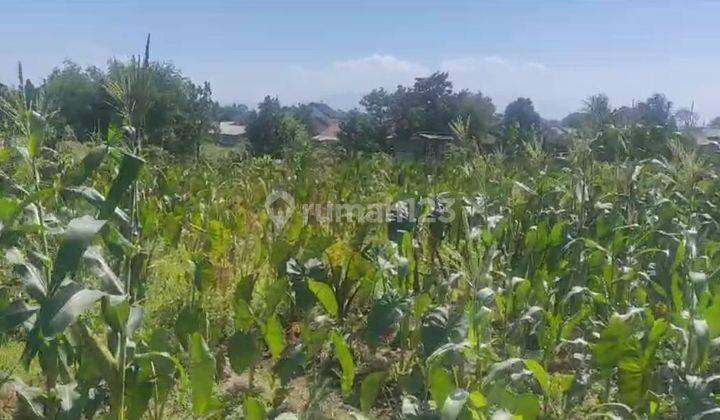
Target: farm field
{"points": [[536, 285], [359, 210]]}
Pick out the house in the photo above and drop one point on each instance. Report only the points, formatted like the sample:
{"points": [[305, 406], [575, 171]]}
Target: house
{"points": [[324, 121], [557, 137], [422, 145], [329, 133], [232, 134], [707, 139]]}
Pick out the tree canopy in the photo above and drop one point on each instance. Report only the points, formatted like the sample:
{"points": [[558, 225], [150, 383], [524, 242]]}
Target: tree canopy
{"points": [[429, 105], [521, 112]]}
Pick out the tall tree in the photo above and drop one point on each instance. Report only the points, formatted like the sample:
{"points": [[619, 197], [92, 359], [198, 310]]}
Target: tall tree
{"points": [[432, 99], [521, 112], [656, 110], [358, 133], [263, 127], [597, 108], [80, 99], [377, 105], [686, 118], [476, 109]]}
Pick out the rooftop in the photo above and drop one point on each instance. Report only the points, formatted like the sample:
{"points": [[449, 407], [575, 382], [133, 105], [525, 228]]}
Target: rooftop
{"points": [[434, 136], [231, 128], [705, 135]]}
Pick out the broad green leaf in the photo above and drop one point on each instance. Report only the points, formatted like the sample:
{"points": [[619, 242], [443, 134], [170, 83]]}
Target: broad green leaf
{"points": [[139, 393], [656, 335], [9, 209], [275, 337], [254, 409], [165, 366], [204, 276], [110, 281], [383, 318], [712, 316], [88, 165], [477, 400], [100, 357], [244, 288], [676, 289], [325, 295], [65, 306], [15, 314], [30, 397], [93, 196], [291, 365], [540, 374], [116, 311], [369, 389], [191, 319], [525, 405], [314, 338], [202, 376], [441, 384], [421, 305], [500, 371], [220, 237], [90, 194], [613, 343], [243, 315], [557, 234], [243, 351], [128, 173], [77, 237], [344, 356], [37, 131], [29, 275], [632, 382]]}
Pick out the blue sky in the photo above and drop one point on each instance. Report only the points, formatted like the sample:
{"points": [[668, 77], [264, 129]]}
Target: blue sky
{"points": [[555, 52]]}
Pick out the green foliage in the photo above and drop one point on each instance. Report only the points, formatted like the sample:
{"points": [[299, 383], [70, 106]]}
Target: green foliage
{"points": [[369, 390], [275, 337], [243, 351], [581, 285], [202, 375], [344, 356], [429, 105], [81, 100], [521, 112], [325, 296], [167, 109]]}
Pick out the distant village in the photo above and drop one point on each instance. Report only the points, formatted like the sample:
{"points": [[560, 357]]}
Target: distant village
{"points": [[326, 127]]}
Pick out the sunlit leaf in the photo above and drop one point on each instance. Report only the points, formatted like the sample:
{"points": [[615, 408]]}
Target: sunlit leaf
{"points": [[441, 384], [65, 306], [324, 294], [202, 376], [275, 337], [77, 237], [369, 389], [344, 356]]}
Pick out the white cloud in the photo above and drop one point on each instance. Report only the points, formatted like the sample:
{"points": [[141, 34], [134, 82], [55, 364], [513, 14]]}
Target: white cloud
{"points": [[474, 64], [496, 60], [341, 82], [556, 88], [537, 66], [380, 63]]}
